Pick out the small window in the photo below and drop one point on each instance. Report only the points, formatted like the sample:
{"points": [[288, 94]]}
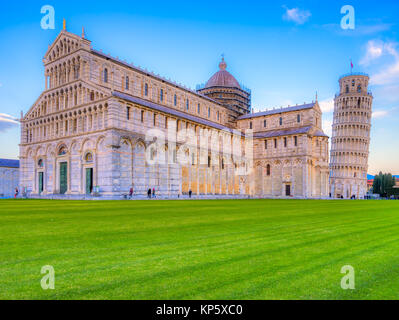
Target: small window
{"points": [[209, 161], [146, 90], [106, 75], [128, 113], [62, 151], [142, 116], [353, 83], [275, 143], [92, 96], [187, 105], [89, 157], [222, 164], [266, 144], [218, 115], [264, 123], [250, 125], [199, 109], [347, 89], [161, 95], [175, 100], [359, 88], [127, 83], [268, 170], [296, 141], [155, 119], [285, 142], [209, 112], [298, 118], [281, 121]]}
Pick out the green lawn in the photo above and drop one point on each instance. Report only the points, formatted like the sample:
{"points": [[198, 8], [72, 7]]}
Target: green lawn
{"points": [[232, 249]]}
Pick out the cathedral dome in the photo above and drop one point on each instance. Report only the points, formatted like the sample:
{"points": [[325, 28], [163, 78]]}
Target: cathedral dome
{"points": [[222, 78]]}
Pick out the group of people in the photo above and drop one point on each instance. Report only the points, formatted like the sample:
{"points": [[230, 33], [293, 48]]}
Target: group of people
{"points": [[151, 194]]}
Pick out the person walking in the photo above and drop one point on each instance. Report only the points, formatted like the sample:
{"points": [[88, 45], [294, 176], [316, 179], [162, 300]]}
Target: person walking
{"points": [[131, 193], [16, 193], [190, 193], [153, 193], [149, 193]]}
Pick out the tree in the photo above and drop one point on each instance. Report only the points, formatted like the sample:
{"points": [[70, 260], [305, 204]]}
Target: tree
{"points": [[382, 183]]}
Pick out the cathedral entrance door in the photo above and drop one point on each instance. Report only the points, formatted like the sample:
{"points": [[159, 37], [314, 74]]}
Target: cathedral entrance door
{"points": [[63, 177], [288, 190], [89, 180], [40, 182]]}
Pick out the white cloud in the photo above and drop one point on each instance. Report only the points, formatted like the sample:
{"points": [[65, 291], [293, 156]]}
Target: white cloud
{"points": [[296, 15], [388, 73], [387, 76], [7, 122], [327, 127], [380, 114], [327, 105], [376, 49]]}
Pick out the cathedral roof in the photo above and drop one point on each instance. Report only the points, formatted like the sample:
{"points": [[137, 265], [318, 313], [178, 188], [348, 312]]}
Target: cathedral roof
{"points": [[222, 78], [277, 111], [9, 163], [170, 111], [287, 132]]}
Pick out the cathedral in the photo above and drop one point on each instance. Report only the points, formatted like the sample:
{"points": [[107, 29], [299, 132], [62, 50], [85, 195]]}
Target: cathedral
{"points": [[103, 127]]}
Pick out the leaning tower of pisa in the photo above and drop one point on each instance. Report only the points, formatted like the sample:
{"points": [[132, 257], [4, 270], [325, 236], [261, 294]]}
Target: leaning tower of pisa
{"points": [[351, 137]]}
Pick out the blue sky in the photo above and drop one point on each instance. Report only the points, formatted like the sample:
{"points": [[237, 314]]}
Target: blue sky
{"points": [[284, 51]]}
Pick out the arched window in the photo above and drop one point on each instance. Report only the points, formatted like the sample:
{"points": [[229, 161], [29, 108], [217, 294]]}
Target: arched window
{"points": [[146, 89], [127, 83], [88, 157], [268, 170], [62, 151], [40, 163], [106, 75]]}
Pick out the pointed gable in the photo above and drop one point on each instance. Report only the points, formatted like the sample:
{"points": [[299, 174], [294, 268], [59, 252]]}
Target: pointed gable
{"points": [[65, 44]]}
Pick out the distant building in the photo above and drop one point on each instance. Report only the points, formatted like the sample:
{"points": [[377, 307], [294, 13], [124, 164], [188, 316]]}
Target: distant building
{"points": [[9, 177]]}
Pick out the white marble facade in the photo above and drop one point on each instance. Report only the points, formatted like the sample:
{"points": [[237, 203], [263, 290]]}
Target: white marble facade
{"points": [[86, 134]]}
